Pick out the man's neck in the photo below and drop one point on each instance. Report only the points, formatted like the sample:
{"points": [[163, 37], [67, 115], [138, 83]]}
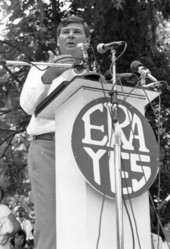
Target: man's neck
{"points": [[21, 218], [167, 237]]}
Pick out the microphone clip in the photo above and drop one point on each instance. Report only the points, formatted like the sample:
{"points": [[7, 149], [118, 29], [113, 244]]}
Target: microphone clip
{"points": [[81, 66], [84, 47]]}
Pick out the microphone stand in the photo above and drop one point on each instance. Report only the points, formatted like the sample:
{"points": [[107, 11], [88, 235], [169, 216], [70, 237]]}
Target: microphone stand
{"points": [[143, 80], [117, 157]]}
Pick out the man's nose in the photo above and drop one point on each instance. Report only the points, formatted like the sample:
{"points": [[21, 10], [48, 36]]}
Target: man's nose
{"points": [[71, 34]]}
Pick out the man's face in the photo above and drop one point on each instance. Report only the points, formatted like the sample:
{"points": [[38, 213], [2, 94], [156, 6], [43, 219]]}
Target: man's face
{"points": [[69, 37], [21, 212]]}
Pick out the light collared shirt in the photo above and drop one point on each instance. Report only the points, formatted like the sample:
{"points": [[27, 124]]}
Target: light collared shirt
{"points": [[33, 92], [156, 241], [27, 227], [5, 226]]}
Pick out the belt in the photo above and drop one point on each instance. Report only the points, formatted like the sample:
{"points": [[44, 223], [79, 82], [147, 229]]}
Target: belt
{"points": [[46, 136]]}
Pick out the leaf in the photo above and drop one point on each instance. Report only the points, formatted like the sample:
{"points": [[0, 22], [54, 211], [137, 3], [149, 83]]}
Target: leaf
{"points": [[3, 147]]}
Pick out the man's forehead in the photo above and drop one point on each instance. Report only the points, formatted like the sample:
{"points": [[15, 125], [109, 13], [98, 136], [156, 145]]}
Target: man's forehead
{"points": [[21, 209], [73, 26]]}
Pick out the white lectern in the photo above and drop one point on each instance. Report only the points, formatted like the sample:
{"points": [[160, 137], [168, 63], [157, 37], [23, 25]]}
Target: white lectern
{"points": [[85, 192]]}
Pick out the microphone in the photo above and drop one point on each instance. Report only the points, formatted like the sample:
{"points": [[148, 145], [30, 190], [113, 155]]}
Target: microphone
{"points": [[125, 78], [164, 202], [137, 67], [103, 47], [108, 75], [84, 47]]}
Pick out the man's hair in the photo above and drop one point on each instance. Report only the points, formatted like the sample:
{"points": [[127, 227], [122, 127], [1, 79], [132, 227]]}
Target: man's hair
{"points": [[2, 194], [73, 19], [21, 209]]}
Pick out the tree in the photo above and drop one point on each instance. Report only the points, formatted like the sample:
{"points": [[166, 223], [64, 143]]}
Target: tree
{"points": [[31, 32]]}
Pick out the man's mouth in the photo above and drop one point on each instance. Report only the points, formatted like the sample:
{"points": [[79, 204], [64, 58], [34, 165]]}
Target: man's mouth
{"points": [[72, 44]]}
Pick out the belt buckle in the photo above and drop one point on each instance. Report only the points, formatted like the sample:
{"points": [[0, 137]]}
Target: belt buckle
{"points": [[31, 137]]}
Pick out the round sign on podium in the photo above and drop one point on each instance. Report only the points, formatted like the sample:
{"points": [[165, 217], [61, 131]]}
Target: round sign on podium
{"points": [[93, 148]]}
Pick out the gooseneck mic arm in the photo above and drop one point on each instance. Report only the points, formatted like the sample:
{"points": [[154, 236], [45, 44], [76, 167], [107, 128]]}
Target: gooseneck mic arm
{"points": [[163, 203], [24, 63], [84, 47]]}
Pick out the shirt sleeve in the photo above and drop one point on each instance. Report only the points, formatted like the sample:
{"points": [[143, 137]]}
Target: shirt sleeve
{"points": [[28, 230], [33, 90], [5, 211], [6, 225]]}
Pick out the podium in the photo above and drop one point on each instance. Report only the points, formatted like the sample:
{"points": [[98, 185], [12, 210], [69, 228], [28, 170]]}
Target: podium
{"points": [[84, 146]]}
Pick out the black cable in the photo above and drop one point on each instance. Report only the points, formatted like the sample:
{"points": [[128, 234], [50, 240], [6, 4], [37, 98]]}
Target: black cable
{"points": [[123, 51]]}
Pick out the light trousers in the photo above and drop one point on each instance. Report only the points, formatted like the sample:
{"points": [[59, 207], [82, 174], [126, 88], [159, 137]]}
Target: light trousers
{"points": [[41, 167]]}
